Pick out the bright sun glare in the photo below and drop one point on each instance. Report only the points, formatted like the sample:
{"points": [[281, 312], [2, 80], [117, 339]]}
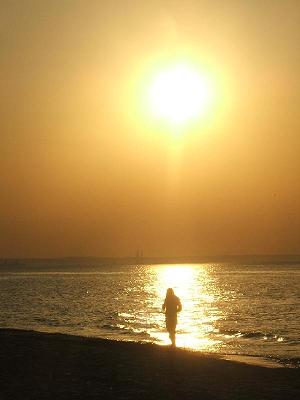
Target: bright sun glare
{"points": [[179, 93]]}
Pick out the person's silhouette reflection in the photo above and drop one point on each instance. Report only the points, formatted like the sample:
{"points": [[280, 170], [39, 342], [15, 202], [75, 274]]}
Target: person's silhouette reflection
{"points": [[171, 306]]}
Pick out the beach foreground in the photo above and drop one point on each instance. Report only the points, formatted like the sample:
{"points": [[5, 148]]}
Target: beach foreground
{"points": [[55, 366]]}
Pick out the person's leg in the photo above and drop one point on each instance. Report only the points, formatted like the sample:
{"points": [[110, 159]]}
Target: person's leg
{"points": [[173, 338], [171, 323]]}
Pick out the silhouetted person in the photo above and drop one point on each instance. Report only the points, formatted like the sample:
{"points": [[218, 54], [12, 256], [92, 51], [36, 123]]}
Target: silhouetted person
{"points": [[171, 306]]}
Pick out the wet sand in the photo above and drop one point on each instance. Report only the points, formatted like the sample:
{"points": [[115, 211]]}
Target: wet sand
{"points": [[54, 366]]}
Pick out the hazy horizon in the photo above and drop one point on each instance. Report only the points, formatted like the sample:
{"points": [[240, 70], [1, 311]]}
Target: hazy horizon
{"points": [[86, 169], [186, 259]]}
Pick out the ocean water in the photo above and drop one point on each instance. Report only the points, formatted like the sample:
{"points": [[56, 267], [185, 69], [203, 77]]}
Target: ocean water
{"points": [[244, 310]]}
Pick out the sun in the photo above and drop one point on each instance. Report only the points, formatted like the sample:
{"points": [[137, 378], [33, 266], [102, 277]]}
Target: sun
{"points": [[179, 94]]}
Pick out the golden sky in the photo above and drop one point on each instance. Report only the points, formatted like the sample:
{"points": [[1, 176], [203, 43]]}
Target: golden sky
{"points": [[86, 169]]}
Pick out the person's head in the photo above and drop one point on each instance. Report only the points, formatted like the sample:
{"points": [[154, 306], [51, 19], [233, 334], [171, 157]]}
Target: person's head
{"points": [[170, 292]]}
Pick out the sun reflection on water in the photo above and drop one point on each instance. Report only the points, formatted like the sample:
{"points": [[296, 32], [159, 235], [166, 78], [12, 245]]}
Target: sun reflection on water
{"points": [[193, 285]]}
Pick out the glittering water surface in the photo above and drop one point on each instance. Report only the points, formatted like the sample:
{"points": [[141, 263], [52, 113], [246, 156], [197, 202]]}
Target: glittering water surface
{"points": [[227, 309]]}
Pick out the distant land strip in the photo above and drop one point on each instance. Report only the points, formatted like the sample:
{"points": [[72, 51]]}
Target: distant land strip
{"points": [[110, 261]]}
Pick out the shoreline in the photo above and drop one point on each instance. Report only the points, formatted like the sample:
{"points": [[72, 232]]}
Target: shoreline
{"points": [[268, 362], [54, 365]]}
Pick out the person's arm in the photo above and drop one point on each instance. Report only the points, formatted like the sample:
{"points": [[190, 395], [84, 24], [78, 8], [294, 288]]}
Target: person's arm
{"points": [[179, 306]]}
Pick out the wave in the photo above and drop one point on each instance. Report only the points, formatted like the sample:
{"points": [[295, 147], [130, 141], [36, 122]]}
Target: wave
{"points": [[122, 330], [251, 335], [287, 362]]}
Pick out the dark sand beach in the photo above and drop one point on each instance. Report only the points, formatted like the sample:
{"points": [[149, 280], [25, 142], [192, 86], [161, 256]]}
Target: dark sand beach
{"points": [[54, 366]]}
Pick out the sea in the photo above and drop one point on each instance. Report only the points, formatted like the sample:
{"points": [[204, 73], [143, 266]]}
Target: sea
{"points": [[228, 309]]}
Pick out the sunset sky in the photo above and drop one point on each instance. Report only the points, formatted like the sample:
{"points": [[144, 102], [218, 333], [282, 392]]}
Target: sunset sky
{"points": [[88, 169]]}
